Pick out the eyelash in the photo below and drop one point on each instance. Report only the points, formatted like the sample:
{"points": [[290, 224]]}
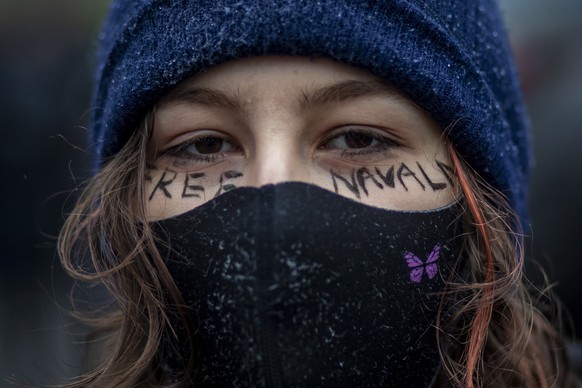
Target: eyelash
{"points": [[384, 146], [181, 150]]}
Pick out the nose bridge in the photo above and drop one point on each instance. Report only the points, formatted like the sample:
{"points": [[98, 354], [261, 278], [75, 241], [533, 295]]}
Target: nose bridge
{"points": [[278, 157]]}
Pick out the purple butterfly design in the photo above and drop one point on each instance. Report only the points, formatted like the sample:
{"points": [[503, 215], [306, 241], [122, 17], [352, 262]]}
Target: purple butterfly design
{"points": [[430, 266]]}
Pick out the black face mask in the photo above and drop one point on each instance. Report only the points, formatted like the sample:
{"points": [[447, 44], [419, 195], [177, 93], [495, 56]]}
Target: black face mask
{"points": [[294, 286]]}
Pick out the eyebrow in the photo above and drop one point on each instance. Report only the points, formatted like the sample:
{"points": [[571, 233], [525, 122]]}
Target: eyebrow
{"points": [[310, 98], [347, 90], [203, 96]]}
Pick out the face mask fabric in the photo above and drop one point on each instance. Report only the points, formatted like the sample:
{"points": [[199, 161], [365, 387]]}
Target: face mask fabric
{"points": [[291, 285]]}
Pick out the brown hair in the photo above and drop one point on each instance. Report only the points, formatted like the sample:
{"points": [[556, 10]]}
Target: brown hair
{"points": [[502, 337], [490, 331], [106, 240]]}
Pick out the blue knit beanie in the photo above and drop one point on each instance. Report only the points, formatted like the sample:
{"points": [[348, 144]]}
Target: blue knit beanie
{"points": [[450, 56]]}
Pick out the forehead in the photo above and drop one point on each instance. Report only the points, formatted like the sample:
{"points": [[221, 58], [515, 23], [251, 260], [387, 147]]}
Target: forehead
{"points": [[321, 80], [270, 66]]}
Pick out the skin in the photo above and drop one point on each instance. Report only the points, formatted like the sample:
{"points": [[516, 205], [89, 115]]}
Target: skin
{"points": [[266, 120]]}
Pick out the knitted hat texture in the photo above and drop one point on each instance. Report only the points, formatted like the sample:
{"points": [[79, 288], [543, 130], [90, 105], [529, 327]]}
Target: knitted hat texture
{"points": [[450, 56]]}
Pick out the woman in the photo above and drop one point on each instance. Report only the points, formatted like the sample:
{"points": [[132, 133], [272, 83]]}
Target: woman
{"points": [[309, 194]]}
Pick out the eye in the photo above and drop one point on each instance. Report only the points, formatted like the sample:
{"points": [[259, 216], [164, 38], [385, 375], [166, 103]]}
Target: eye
{"points": [[359, 142], [208, 145], [352, 140]]}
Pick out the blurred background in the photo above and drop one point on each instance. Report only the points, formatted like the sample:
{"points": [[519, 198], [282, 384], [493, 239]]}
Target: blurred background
{"points": [[45, 79]]}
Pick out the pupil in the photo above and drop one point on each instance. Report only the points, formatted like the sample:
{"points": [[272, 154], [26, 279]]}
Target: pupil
{"points": [[358, 140], [209, 145]]}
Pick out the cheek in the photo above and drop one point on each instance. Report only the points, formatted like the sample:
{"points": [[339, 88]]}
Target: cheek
{"points": [[405, 184], [408, 184], [169, 192]]}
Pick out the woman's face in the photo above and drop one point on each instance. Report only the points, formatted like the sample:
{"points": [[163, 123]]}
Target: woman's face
{"points": [[265, 120]]}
